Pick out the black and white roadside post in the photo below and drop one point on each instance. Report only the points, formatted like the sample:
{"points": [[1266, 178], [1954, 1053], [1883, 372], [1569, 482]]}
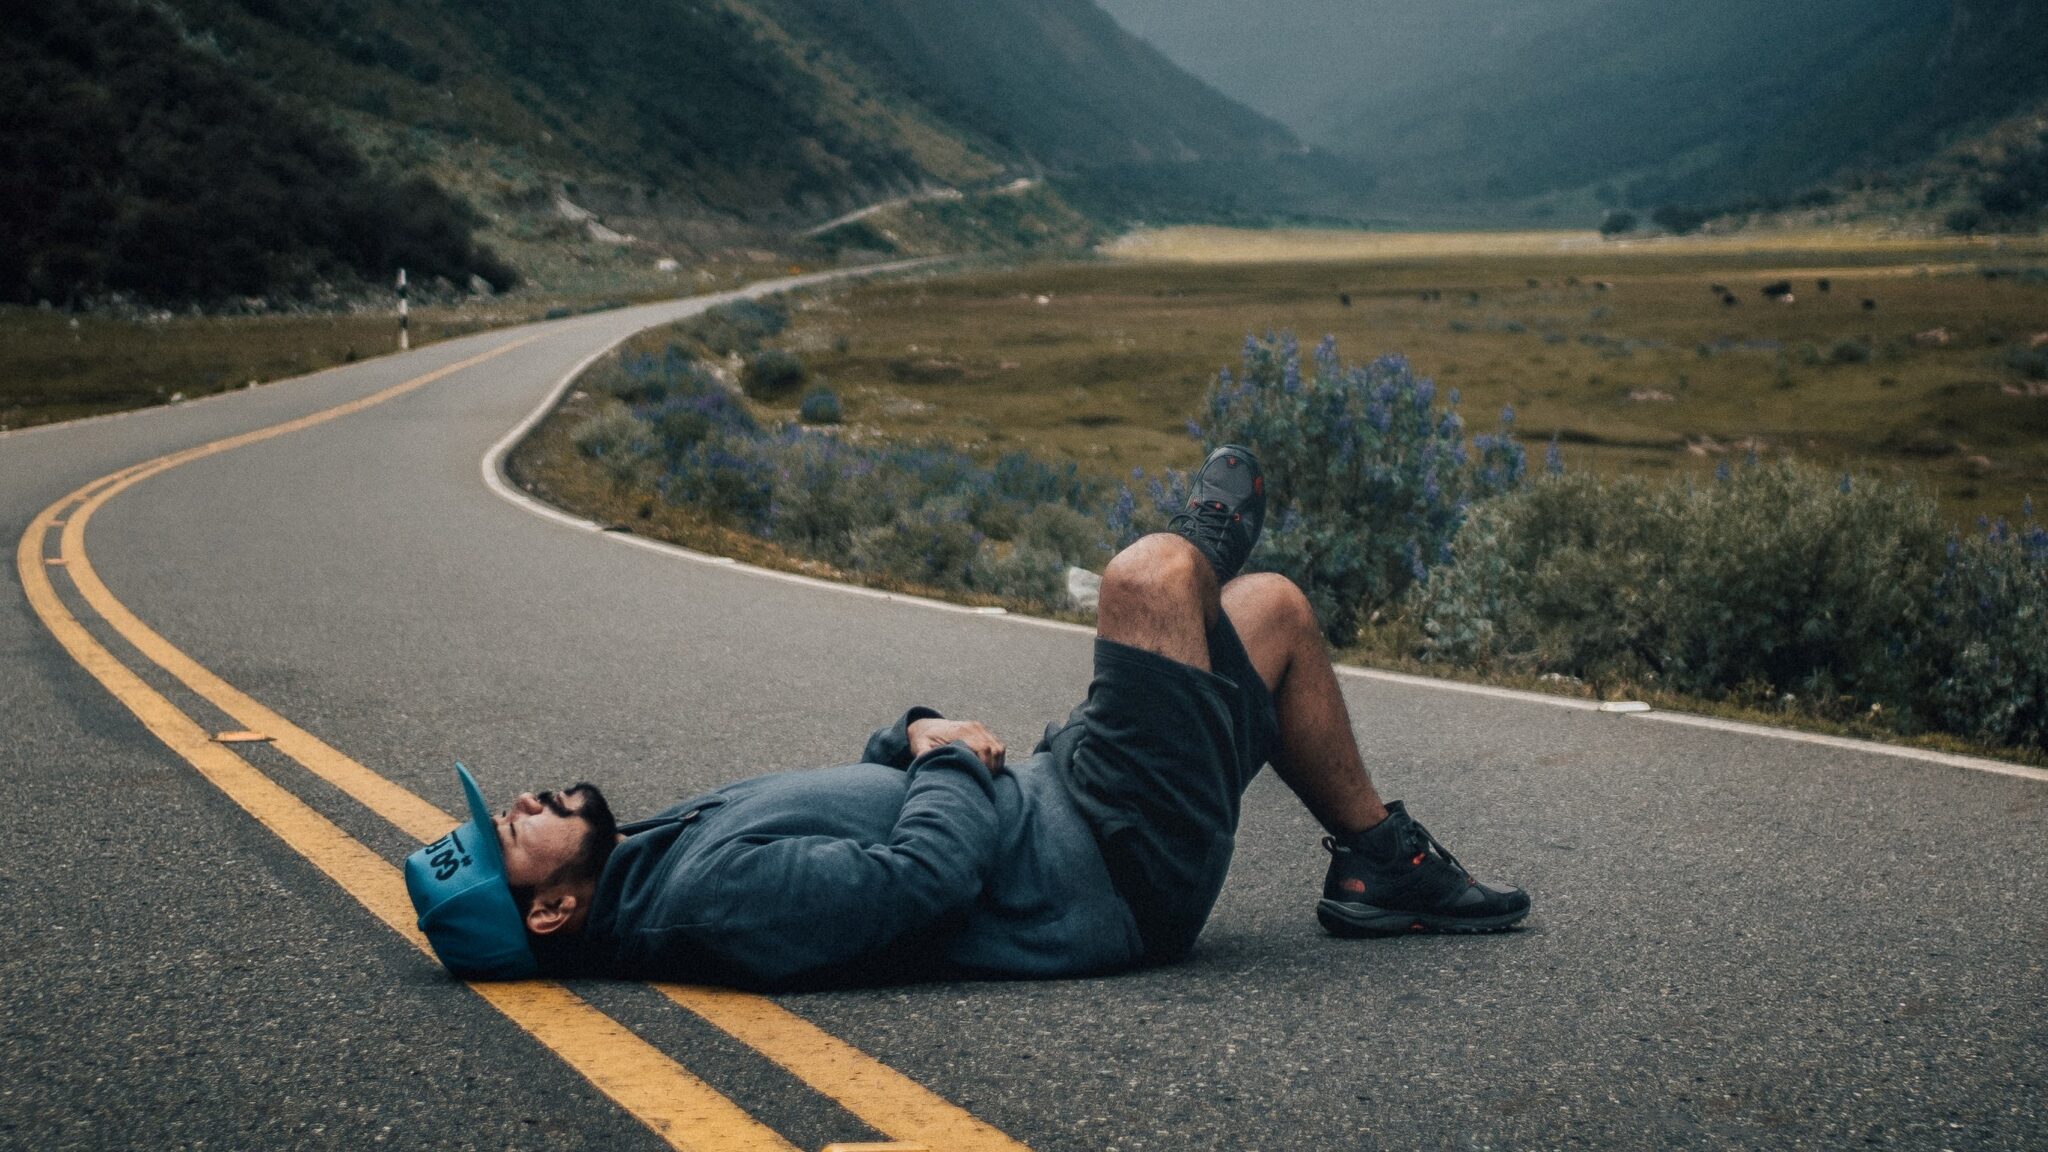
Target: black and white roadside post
{"points": [[404, 336]]}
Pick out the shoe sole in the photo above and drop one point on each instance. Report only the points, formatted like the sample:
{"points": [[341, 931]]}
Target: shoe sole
{"points": [[1354, 920]]}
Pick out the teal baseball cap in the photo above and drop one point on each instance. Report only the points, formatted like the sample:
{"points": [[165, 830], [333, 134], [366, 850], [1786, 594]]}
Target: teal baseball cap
{"points": [[458, 887]]}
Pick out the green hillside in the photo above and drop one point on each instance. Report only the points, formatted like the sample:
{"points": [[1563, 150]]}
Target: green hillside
{"points": [[1054, 82], [325, 139], [132, 161]]}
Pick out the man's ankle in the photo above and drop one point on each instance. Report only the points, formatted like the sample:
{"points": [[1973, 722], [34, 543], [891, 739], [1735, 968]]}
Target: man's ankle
{"points": [[1367, 820]]}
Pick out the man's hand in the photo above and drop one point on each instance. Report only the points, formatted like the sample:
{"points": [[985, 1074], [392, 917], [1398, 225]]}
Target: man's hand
{"points": [[928, 734]]}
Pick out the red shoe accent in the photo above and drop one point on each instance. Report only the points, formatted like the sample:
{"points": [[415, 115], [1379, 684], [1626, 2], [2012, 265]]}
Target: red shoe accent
{"points": [[1355, 887], [1417, 862]]}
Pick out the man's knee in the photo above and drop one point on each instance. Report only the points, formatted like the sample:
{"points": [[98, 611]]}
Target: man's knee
{"points": [[1154, 565], [1271, 599]]}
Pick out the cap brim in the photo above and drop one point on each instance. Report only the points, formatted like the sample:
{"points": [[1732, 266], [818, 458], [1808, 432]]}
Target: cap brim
{"points": [[480, 814]]}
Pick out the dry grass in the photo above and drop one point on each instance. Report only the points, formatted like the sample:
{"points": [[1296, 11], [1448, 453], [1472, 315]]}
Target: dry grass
{"points": [[1207, 245], [55, 366], [1621, 350]]}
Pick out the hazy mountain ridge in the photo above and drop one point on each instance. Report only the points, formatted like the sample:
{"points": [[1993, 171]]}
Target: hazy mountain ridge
{"points": [[1496, 109]]}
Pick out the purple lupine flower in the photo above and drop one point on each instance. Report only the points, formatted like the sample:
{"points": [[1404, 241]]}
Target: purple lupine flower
{"points": [[1553, 458]]}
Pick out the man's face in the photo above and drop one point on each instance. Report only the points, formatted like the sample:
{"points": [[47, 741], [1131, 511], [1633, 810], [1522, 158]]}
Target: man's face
{"points": [[538, 834]]}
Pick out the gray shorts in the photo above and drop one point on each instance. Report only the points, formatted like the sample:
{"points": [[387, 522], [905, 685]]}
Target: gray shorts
{"points": [[1157, 759]]}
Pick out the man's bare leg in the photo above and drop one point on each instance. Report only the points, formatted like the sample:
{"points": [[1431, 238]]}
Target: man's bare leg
{"points": [[1387, 875], [1160, 595], [1318, 756]]}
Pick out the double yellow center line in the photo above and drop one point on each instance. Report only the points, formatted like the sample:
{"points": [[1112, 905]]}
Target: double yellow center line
{"points": [[646, 1082]]}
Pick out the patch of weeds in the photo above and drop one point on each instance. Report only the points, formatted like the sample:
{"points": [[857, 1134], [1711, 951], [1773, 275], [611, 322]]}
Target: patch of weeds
{"points": [[820, 406], [773, 374], [915, 513], [1774, 583], [1850, 352]]}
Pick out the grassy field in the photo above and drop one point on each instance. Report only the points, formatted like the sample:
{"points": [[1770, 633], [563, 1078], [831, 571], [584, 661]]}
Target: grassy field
{"points": [[55, 366], [1620, 349]]}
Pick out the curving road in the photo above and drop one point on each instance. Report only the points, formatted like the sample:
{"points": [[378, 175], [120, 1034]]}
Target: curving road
{"points": [[1739, 940]]}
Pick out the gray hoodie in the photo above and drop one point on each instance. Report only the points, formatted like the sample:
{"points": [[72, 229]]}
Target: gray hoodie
{"points": [[885, 869]]}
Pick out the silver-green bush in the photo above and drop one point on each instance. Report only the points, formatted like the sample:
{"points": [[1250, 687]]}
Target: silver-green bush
{"points": [[1770, 581]]}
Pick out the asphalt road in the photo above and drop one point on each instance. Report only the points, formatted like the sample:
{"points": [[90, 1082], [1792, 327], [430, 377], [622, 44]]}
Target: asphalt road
{"points": [[1738, 941]]}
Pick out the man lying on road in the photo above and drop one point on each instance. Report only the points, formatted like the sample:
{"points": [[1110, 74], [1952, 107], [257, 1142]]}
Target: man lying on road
{"points": [[933, 856]]}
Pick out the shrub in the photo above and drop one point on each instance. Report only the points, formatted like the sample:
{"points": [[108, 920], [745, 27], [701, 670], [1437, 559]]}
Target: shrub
{"points": [[1968, 219], [727, 475], [820, 406], [1019, 571], [643, 378], [1617, 222], [1068, 534], [738, 327], [1850, 352], [825, 491], [618, 441], [916, 512], [773, 373], [2031, 363], [1985, 666], [2018, 189], [934, 544], [1367, 479], [1679, 219], [1771, 580]]}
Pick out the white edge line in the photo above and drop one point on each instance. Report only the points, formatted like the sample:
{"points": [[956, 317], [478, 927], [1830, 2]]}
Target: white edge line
{"points": [[1520, 694], [495, 478], [1976, 763]]}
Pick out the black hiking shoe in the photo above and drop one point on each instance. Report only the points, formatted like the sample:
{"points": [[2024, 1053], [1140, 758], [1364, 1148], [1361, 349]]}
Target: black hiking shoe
{"points": [[1394, 878], [1226, 509]]}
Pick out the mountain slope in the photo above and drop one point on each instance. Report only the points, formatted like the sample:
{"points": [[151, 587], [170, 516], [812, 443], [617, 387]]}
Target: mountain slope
{"points": [[1496, 108], [761, 111], [1056, 79], [697, 126], [1705, 104], [132, 161], [1309, 62]]}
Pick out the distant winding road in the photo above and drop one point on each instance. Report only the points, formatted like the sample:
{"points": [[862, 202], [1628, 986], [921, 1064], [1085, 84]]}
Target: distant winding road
{"points": [[1739, 940]]}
